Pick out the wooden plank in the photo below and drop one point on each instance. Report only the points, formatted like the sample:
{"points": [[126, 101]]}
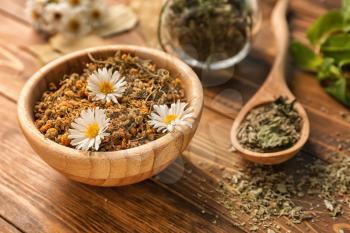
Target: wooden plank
{"points": [[6, 227], [182, 181], [53, 203], [15, 9], [11, 81], [262, 67], [208, 151], [33, 186], [322, 140], [16, 66], [22, 35], [22, 63]]}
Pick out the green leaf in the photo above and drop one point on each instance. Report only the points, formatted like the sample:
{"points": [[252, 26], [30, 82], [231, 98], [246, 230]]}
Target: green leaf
{"points": [[345, 4], [346, 10], [329, 36], [343, 63], [329, 70], [305, 57], [339, 56], [338, 42], [324, 26], [339, 91]]}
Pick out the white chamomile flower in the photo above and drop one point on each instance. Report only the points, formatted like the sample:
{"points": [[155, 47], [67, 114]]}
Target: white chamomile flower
{"points": [[168, 119], [74, 24], [54, 14], [88, 130], [97, 13], [35, 9], [106, 85]]}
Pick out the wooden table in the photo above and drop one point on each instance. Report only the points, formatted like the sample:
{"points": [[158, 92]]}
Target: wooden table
{"points": [[35, 198]]}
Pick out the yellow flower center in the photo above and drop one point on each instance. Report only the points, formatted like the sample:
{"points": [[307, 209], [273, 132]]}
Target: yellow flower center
{"points": [[92, 130], [106, 88], [35, 15], [74, 25], [74, 2], [96, 14], [57, 16], [169, 118]]}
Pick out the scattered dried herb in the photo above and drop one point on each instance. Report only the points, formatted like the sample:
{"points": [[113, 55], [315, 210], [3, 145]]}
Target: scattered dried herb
{"points": [[208, 29], [270, 127], [147, 85], [266, 193]]}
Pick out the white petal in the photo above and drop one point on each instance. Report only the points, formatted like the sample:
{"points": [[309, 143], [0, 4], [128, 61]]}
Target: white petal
{"points": [[104, 75], [78, 127], [97, 142]]}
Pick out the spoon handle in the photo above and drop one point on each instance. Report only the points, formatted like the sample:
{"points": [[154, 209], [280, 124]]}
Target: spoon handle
{"points": [[281, 32]]}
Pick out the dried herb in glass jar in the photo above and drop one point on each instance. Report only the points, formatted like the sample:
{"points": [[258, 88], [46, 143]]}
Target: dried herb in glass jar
{"points": [[209, 30], [272, 127]]}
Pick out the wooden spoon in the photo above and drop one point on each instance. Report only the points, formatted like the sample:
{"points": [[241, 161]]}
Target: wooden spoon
{"points": [[274, 87]]}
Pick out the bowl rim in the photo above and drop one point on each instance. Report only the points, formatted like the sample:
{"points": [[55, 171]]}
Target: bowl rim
{"points": [[27, 123]]}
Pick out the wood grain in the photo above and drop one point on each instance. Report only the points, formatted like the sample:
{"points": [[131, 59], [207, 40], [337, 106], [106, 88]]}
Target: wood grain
{"points": [[35, 198], [6, 227], [33, 187]]}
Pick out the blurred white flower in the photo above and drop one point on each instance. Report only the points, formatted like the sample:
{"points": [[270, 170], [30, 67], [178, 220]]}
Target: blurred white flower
{"points": [[97, 13], [106, 85], [168, 119], [74, 24], [54, 14], [70, 17], [35, 9]]}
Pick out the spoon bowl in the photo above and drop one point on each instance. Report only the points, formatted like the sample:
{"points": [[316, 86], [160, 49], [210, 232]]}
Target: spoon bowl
{"points": [[274, 87], [270, 157]]}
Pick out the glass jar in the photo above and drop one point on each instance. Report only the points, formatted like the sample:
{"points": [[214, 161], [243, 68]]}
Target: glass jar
{"points": [[209, 34]]}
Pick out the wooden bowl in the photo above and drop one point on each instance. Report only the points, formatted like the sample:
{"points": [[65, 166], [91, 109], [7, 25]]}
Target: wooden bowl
{"points": [[117, 167]]}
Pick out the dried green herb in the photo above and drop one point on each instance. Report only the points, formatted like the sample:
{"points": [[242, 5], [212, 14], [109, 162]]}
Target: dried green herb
{"points": [[206, 29], [266, 193], [147, 85], [270, 127]]}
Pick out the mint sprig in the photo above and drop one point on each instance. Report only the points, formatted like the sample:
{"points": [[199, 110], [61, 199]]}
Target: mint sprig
{"points": [[328, 52]]}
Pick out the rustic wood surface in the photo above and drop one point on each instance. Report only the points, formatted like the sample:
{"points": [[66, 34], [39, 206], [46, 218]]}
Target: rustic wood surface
{"points": [[35, 198]]}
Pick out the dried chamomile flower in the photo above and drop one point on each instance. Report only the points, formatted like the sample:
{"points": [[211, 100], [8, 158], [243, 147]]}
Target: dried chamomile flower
{"points": [[88, 130], [168, 119], [106, 85], [146, 85]]}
